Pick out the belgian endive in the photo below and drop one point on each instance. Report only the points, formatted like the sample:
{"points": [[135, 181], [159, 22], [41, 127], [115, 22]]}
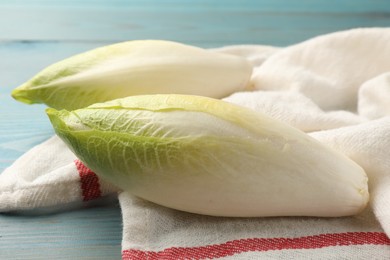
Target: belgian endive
{"points": [[207, 156], [134, 68]]}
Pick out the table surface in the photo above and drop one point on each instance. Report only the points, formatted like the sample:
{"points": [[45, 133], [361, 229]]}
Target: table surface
{"points": [[36, 33]]}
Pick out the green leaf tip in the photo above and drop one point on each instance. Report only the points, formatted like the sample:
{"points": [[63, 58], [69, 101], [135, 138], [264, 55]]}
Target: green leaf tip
{"points": [[54, 118], [22, 95]]}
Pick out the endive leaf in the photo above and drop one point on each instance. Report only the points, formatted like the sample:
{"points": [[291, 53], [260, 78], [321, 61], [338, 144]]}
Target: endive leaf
{"points": [[134, 68], [207, 156]]}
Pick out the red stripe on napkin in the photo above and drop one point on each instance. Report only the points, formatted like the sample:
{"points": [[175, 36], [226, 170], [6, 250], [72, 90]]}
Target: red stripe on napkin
{"points": [[261, 244], [90, 186]]}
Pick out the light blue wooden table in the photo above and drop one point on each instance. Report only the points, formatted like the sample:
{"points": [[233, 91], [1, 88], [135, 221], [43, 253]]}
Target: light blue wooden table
{"points": [[36, 33]]}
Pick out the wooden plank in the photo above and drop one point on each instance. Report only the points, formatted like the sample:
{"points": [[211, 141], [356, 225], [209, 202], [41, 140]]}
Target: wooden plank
{"points": [[200, 23], [20, 60], [188, 5], [93, 233]]}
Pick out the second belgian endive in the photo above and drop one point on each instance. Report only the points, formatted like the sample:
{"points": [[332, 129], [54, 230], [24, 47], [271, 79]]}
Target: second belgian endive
{"points": [[134, 68], [207, 156]]}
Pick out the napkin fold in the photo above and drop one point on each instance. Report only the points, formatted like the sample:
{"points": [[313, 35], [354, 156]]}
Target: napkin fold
{"points": [[48, 178], [335, 87], [328, 69], [368, 145]]}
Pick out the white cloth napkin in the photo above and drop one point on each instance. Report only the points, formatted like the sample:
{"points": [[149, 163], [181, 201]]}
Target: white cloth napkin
{"points": [[335, 87], [48, 178]]}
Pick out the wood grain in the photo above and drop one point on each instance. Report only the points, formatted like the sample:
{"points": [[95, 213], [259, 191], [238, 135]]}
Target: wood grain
{"points": [[36, 33], [203, 23]]}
